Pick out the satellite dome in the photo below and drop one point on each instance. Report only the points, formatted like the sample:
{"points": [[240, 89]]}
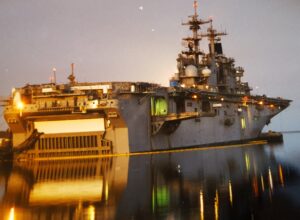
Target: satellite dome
{"points": [[191, 71], [206, 72]]}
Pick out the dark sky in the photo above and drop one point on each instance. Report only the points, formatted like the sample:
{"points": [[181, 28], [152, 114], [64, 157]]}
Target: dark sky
{"points": [[138, 40]]}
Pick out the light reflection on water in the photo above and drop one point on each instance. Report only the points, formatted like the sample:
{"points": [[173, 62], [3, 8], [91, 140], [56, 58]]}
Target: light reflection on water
{"points": [[254, 182]]}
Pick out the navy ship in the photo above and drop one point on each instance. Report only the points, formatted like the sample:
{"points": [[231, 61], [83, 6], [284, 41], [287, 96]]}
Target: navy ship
{"points": [[207, 103]]}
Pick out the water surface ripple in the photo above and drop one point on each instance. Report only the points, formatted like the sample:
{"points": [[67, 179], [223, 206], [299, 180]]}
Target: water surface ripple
{"points": [[249, 182]]}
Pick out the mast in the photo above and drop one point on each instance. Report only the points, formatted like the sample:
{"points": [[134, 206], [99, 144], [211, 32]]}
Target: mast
{"points": [[72, 76], [193, 42], [213, 37]]}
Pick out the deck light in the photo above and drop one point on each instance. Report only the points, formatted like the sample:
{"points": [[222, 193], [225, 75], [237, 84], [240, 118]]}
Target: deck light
{"points": [[20, 105]]}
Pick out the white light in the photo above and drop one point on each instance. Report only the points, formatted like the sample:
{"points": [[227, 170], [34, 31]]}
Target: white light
{"points": [[262, 183], [17, 97], [106, 191], [65, 191], [201, 205], [217, 105], [216, 205], [20, 105], [230, 192], [132, 88], [70, 126], [91, 212], [141, 8], [93, 104], [270, 179], [12, 214], [105, 88]]}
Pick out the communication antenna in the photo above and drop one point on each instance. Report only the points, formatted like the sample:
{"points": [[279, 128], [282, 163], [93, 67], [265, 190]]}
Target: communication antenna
{"points": [[195, 7], [54, 75]]}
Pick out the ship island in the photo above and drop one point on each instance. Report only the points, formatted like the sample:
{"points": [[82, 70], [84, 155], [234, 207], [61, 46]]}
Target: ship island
{"points": [[206, 103]]}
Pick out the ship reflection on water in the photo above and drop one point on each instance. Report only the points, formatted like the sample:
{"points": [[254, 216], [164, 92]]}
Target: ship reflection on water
{"points": [[76, 189], [231, 183]]}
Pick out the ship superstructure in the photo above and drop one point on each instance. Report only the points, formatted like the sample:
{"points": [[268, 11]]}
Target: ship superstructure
{"points": [[206, 103]]}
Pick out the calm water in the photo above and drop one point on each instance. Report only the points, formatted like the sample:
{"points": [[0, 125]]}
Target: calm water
{"points": [[249, 182]]}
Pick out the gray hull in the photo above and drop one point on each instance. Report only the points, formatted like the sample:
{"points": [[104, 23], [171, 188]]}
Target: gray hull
{"points": [[201, 130]]}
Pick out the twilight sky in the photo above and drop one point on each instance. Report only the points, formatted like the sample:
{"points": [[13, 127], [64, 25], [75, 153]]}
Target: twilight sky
{"points": [[138, 40]]}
